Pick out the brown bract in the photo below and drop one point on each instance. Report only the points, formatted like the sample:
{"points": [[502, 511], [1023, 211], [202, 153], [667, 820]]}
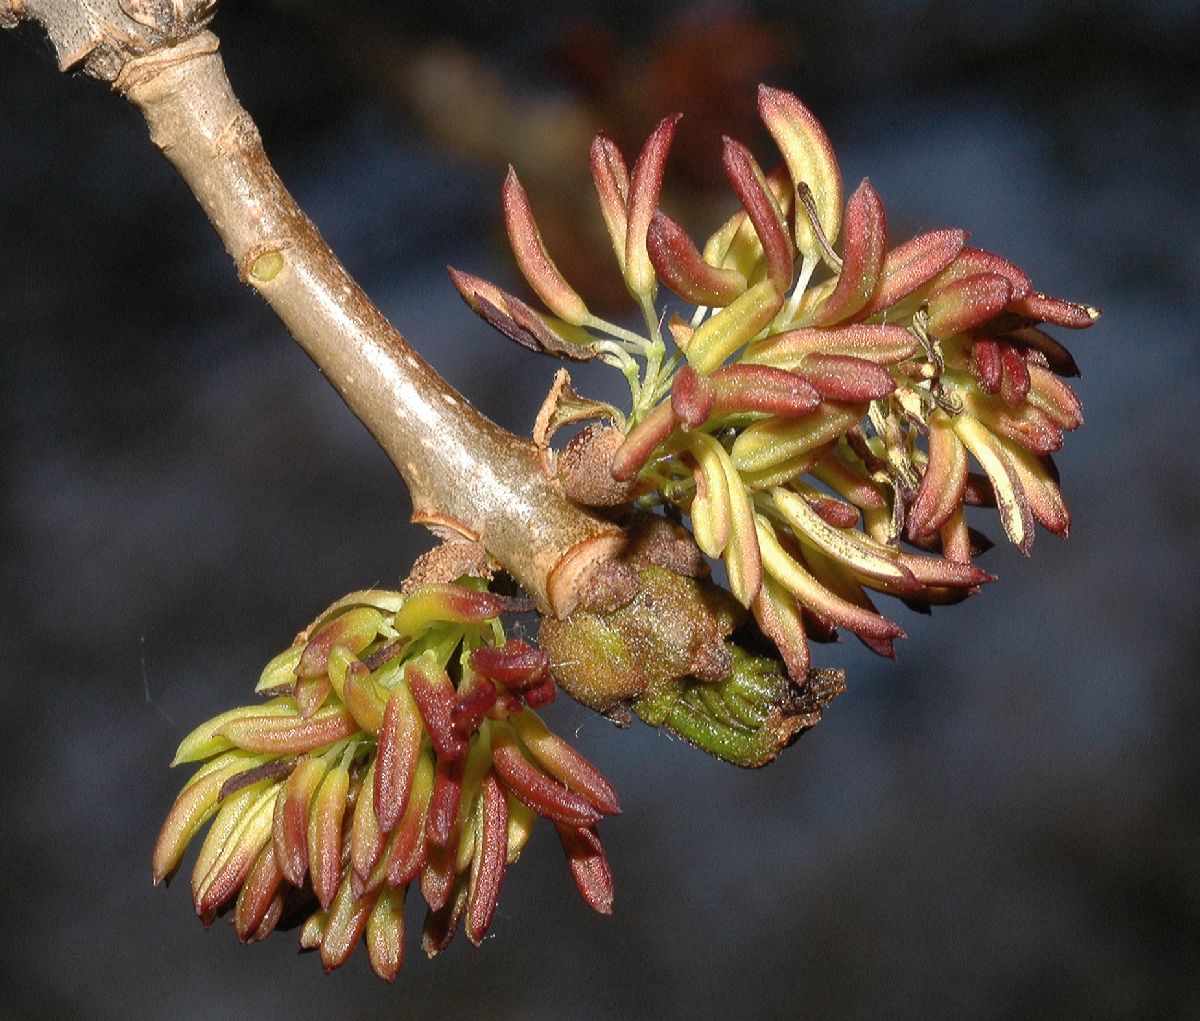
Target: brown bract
{"points": [[674, 627], [585, 468], [449, 561]]}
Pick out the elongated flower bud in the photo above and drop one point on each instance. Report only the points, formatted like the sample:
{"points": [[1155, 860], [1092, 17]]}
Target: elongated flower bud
{"points": [[644, 186], [681, 267], [912, 265], [865, 242], [612, 187], [770, 223], [810, 161], [535, 262]]}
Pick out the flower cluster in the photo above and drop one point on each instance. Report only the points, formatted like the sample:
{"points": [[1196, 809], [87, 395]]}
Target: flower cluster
{"points": [[818, 419], [398, 745]]}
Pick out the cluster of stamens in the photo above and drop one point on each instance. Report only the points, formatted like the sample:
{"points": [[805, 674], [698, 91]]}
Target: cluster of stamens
{"points": [[819, 415], [398, 746]]}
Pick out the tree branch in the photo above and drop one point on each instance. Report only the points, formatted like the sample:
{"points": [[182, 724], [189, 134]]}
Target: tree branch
{"points": [[466, 476]]}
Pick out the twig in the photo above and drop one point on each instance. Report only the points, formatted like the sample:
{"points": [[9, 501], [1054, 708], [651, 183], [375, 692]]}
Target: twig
{"points": [[467, 477]]}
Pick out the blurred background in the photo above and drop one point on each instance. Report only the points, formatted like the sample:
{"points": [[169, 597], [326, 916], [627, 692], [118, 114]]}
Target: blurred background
{"points": [[1002, 824]]}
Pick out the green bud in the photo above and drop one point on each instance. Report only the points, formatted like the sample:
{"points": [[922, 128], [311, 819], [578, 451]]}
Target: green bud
{"points": [[748, 717]]}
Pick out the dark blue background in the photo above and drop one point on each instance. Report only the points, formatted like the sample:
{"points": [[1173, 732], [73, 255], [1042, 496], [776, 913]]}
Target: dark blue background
{"points": [[1002, 824]]}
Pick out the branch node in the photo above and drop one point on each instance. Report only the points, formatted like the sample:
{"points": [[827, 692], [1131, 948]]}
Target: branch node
{"points": [[138, 70], [103, 36]]}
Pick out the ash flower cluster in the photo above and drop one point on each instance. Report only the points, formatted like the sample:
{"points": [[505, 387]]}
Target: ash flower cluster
{"points": [[832, 405], [827, 414], [398, 746]]}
